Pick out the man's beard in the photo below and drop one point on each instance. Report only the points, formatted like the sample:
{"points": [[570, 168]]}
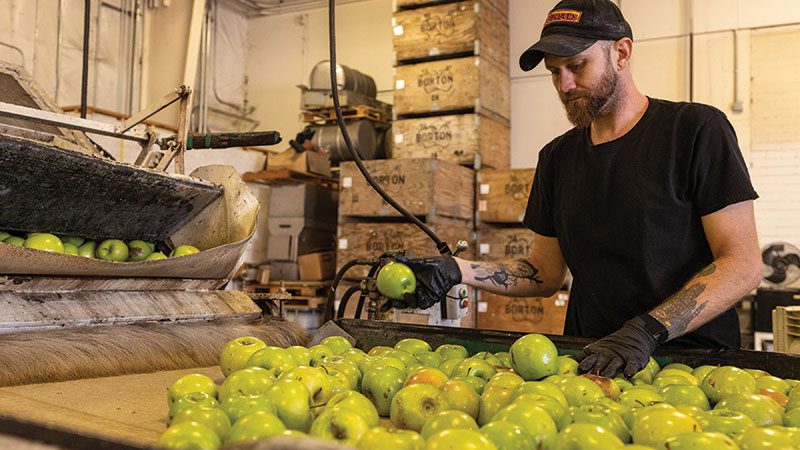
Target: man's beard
{"points": [[583, 107]]}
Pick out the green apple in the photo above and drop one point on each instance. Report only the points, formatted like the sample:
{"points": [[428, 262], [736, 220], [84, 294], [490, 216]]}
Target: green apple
{"points": [[462, 397], [88, 249], [344, 426], [492, 401], [687, 376], [316, 381], [567, 365], [140, 250], [77, 241], [275, 359], [534, 357], [792, 418], [451, 351], [459, 440], [638, 397], [14, 240], [475, 368], [44, 241], [354, 355], [70, 249], [380, 384], [431, 376], [763, 410], [586, 436], [192, 399], [670, 380], [413, 405], [249, 381], [540, 387], [378, 350], [700, 441], [692, 411], [607, 385], [213, 418], [292, 402], [756, 373], [113, 250], [448, 365], [700, 373], [356, 402], [607, 405], [318, 353], [407, 358], [339, 344], [534, 420], [413, 346], [447, 420], [677, 395], [779, 397], [508, 380], [238, 406], [395, 280], [155, 256], [236, 352], [508, 436], [655, 426], [338, 366], [301, 355], [387, 361], [255, 426], [599, 416], [623, 383], [5, 235], [579, 390], [730, 423], [489, 357], [183, 250], [774, 383], [678, 366], [430, 359], [379, 438], [727, 380], [477, 384], [339, 384], [547, 403], [765, 438], [187, 384], [188, 435], [504, 358]]}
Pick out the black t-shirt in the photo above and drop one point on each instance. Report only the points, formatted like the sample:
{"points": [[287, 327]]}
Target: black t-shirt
{"points": [[627, 214]]}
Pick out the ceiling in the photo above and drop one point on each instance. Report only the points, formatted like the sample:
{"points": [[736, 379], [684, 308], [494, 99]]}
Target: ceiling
{"points": [[272, 7]]}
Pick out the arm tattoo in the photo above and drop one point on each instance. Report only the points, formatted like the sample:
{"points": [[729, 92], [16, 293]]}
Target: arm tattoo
{"points": [[679, 310], [708, 270], [507, 274]]}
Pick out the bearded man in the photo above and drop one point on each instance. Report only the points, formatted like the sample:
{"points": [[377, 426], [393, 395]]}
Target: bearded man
{"points": [[648, 203]]}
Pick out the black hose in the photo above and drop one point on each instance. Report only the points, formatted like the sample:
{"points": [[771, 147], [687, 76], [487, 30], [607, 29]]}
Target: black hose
{"points": [[441, 246], [346, 298], [329, 309], [85, 69]]}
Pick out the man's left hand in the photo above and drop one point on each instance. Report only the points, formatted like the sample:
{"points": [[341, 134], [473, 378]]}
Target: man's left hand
{"points": [[627, 349]]}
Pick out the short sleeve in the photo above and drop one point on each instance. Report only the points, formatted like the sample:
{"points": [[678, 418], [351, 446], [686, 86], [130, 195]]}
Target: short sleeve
{"points": [[539, 212], [718, 173]]}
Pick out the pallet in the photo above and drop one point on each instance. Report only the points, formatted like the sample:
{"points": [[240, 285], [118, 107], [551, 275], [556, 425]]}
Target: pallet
{"points": [[276, 177], [298, 289], [348, 112]]}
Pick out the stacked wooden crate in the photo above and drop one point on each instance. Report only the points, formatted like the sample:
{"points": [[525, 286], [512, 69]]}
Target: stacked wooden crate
{"points": [[502, 197], [452, 85]]}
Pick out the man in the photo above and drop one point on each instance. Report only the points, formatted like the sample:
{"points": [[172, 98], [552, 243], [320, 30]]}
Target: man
{"points": [[648, 202]]}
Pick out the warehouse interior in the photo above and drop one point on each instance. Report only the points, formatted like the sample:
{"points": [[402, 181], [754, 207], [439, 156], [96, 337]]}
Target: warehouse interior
{"points": [[190, 205]]}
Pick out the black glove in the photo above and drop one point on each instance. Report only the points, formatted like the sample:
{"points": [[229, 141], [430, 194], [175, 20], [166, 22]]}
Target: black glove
{"points": [[435, 277], [628, 348]]}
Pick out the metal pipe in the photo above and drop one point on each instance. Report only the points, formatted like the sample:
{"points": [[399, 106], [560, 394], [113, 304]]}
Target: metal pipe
{"points": [[85, 72]]}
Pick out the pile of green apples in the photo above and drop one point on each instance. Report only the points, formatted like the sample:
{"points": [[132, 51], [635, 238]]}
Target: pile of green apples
{"points": [[412, 397], [115, 250]]}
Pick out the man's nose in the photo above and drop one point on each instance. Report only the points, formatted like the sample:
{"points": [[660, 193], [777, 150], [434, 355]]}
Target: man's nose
{"points": [[566, 82]]}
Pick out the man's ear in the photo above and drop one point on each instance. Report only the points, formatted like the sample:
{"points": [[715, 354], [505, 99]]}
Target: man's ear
{"points": [[621, 53]]}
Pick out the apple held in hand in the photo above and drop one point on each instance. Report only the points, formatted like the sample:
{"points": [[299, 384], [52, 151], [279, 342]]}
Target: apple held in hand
{"points": [[112, 250], [44, 241], [236, 352], [395, 280], [140, 250], [183, 250]]}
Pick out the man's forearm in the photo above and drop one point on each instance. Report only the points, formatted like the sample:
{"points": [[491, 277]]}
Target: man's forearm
{"points": [[708, 294], [517, 278]]}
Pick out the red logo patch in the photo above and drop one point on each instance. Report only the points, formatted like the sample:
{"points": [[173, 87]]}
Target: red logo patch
{"points": [[563, 15]]}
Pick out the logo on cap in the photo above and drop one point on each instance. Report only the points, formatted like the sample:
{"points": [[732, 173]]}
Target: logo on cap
{"points": [[563, 15]]}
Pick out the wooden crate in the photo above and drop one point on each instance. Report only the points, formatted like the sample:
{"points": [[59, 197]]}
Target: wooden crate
{"points": [[426, 187], [371, 239], [471, 84], [398, 5], [459, 139], [465, 28], [528, 315], [503, 194], [503, 243]]}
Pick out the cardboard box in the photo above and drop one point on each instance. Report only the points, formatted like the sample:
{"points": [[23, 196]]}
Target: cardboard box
{"points": [[527, 315], [317, 266], [308, 161]]}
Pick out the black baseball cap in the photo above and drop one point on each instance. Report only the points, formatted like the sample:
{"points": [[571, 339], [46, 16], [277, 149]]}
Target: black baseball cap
{"points": [[573, 26]]}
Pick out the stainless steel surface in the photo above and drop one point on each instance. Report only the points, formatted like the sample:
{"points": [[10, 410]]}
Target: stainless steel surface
{"points": [[347, 78], [362, 132]]}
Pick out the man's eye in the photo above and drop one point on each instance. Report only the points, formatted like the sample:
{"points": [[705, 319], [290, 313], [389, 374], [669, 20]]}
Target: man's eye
{"points": [[576, 66]]}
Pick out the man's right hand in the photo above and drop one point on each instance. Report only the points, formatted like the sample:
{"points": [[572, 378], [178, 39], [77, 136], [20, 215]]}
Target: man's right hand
{"points": [[435, 277]]}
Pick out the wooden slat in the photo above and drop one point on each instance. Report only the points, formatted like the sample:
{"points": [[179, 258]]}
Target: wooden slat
{"points": [[288, 176], [528, 315], [75, 308], [503, 194], [500, 5], [21, 283], [502, 244]]}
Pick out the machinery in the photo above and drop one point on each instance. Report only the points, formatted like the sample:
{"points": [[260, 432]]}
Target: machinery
{"points": [[781, 270]]}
